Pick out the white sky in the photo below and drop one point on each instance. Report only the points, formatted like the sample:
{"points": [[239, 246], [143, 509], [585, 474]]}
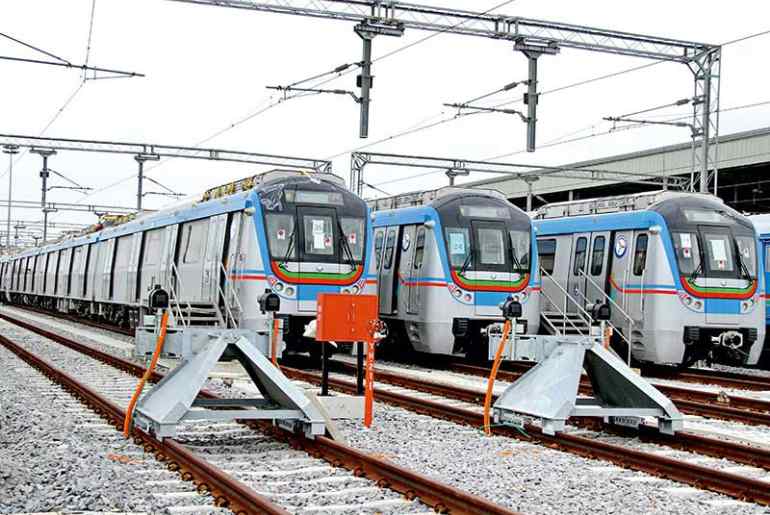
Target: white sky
{"points": [[208, 67]]}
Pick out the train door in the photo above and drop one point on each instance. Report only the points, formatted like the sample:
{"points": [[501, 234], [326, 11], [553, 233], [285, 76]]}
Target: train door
{"points": [[490, 259], [212, 266], [416, 270], [636, 272], [106, 272], [720, 262], [406, 285], [135, 258], [388, 272], [598, 268], [233, 258], [320, 253], [191, 261], [576, 281], [168, 253]]}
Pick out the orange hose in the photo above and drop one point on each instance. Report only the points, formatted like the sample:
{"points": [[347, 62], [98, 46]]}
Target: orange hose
{"points": [[493, 375], [147, 373], [274, 342]]}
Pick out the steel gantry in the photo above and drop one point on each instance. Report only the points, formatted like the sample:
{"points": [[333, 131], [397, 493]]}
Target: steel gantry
{"points": [[528, 173], [142, 152], [530, 36]]}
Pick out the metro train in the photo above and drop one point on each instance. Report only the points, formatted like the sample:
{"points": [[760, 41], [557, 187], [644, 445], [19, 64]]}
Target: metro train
{"points": [[293, 233], [762, 226], [679, 270], [445, 260]]}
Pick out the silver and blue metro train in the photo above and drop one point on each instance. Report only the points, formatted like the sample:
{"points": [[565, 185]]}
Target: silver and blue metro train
{"points": [[762, 226], [680, 271], [445, 260], [293, 233]]}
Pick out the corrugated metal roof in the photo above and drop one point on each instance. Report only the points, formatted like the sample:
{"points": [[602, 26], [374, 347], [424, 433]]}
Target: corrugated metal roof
{"points": [[735, 150]]}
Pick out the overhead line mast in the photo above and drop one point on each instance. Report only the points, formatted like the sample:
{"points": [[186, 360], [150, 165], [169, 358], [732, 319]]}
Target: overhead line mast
{"points": [[532, 37]]}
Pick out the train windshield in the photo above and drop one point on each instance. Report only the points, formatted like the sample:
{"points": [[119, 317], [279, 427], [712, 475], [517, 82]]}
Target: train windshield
{"points": [[315, 222], [486, 236], [710, 239]]}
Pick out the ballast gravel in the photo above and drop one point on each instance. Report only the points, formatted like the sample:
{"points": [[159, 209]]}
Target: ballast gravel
{"points": [[56, 454], [527, 477]]}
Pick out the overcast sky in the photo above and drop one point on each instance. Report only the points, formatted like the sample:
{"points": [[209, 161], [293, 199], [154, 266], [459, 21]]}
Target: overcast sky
{"points": [[207, 67]]}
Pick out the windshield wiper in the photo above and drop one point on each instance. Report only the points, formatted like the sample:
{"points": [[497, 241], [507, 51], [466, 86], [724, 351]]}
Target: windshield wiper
{"points": [[518, 267], [696, 272], [290, 248], [466, 263], [744, 269], [345, 244]]}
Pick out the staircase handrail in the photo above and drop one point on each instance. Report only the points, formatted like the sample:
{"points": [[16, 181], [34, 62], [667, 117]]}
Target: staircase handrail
{"points": [[567, 296], [226, 294], [563, 315], [607, 297], [174, 297]]}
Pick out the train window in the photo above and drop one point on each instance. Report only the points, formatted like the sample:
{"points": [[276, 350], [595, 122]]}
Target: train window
{"points": [[419, 248], [459, 246], [719, 252], [379, 240], [597, 256], [520, 246], [687, 249], [193, 240], [640, 254], [280, 235], [748, 253], [319, 235], [546, 251], [390, 243], [491, 246], [354, 233], [580, 255]]}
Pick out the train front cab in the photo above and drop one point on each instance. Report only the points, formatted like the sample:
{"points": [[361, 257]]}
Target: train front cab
{"points": [[445, 268], [312, 238], [764, 241], [685, 270]]}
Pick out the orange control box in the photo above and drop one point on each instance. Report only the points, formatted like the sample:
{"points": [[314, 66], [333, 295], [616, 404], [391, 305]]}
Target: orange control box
{"points": [[346, 318]]}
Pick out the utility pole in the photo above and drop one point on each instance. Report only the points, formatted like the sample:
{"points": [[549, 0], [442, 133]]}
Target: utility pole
{"points": [[140, 159], [529, 179], [367, 30], [11, 150], [533, 49], [45, 153]]}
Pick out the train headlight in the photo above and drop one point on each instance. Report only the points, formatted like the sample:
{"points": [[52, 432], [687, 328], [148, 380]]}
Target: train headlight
{"points": [[524, 296], [468, 297], [345, 290], [356, 289], [688, 300], [745, 305], [698, 304], [278, 287], [457, 294], [289, 291]]}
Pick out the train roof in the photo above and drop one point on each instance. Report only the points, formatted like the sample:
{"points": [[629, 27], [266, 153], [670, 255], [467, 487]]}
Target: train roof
{"points": [[761, 224], [225, 198], [634, 202], [424, 198]]}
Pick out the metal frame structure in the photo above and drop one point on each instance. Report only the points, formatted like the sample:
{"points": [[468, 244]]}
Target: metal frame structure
{"points": [[532, 37], [142, 152], [528, 173]]}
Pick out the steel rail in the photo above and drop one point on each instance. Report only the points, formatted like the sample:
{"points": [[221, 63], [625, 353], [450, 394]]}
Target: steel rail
{"points": [[725, 379], [696, 402], [698, 476], [441, 497], [743, 454], [226, 490]]}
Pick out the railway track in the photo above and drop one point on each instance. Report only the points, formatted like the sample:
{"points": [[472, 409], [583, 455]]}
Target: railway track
{"points": [[734, 485], [695, 402], [226, 459], [690, 375]]}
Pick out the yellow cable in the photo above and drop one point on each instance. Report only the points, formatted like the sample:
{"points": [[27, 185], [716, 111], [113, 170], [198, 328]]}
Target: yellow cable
{"points": [[147, 373], [493, 375]]}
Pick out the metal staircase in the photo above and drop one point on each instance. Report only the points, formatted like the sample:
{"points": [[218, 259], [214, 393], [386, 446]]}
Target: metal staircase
{"points": [[560, 324]]}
